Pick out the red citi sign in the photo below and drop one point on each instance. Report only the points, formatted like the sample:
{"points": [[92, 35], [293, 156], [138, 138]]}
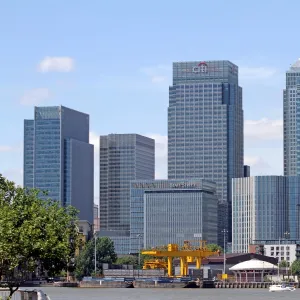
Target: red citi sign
{"points": [[201, 68]]}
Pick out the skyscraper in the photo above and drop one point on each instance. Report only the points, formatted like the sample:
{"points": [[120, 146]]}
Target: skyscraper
{"points": [[291, 120], [205, 127], [265, 208], [59, 159], [123, 157]]}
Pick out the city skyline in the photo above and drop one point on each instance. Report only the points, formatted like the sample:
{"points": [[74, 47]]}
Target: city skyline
{"points": [[40, 66]]}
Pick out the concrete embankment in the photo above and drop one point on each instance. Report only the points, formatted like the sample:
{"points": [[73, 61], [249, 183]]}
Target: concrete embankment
{"points": [[136, 284], [244, 285]]}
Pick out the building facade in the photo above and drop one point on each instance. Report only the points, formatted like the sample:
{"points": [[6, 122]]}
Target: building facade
{"points": [[59, 159], [264, 208], [205, 127], [123, 157], [283, 249], [291, 120], [172, 211]]}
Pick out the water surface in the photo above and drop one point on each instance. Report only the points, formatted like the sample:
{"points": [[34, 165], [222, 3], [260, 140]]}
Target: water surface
{"points": [[166, 294]]}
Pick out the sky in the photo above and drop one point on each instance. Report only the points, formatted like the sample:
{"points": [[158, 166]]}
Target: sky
{"points": [[113, 60]]}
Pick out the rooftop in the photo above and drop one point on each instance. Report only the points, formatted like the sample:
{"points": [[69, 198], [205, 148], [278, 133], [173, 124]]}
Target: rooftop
{"points": [[253, 264]]}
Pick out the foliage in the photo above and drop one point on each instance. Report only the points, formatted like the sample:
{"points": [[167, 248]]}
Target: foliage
{"points": [[33, 233], [295, 268], [85, 262], [214, 247], [127, 260], [283, 264]]}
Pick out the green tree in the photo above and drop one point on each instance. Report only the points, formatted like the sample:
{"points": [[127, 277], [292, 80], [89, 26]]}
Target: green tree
{"points": [[127, 260], [33, 232], [214, 247], [85, 262], [283, 264], [295, 268]]}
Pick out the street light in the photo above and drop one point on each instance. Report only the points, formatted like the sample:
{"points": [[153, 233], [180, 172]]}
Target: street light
{"points": [[224, 231], [95, 236], [139, 237]]}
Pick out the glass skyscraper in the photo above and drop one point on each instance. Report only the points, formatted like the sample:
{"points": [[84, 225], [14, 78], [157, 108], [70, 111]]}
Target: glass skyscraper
{"points": [[291, 121], [264, 208], [59, 159], [123, 157], [205, 128]]}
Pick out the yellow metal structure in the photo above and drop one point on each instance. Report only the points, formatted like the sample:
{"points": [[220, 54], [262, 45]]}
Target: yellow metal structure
{"points": [[155, 264], [187, 254]]}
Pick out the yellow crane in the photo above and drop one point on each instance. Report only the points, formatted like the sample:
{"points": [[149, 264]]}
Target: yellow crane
{"points": [[186, 254]]}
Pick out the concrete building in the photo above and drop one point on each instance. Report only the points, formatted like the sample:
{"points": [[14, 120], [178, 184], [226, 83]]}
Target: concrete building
{"points": [[59, 159], [264, 208], [205, 128], [172, 211], [123, 157], [291, 120], [283, 249]]}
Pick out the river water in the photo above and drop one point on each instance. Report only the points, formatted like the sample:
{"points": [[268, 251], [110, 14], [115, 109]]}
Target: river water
{"points": [[166, 294]]}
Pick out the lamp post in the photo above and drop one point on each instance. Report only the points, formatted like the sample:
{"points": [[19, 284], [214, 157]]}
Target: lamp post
{"points": [[224, 231], [139, 237], [95, 236]]}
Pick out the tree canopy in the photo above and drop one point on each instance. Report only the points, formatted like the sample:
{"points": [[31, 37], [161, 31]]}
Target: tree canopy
{"points": [[283, 264], [214, 247], [85, 261], [295, 268], [33, 233], [128, 260]]}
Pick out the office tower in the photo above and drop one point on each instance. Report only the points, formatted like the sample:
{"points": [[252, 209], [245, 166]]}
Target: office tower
{"points": [[205, 128], [264, 208], [172, 211], [246, 171], [59, 159], [123, 157], [291, 120]]}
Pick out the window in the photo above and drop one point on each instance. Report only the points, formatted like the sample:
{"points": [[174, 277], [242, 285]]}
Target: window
{"points": [[272, 248]]}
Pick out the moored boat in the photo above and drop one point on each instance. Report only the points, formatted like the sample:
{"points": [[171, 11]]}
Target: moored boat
{"points": [[281, 288]]}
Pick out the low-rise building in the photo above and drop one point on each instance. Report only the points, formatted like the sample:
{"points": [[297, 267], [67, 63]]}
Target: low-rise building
{"points": [[283, 250]]}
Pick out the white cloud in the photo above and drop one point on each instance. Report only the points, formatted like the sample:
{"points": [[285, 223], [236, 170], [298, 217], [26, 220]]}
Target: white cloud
{"points": [[256, 72], [6, 148], [158, 74], [56, 64], [158, 79], [35, 96], [263, 129], [161, 155]]}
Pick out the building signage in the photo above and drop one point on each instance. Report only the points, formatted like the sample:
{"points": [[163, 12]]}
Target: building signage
{"points": [[162, 185], [201, 68]]}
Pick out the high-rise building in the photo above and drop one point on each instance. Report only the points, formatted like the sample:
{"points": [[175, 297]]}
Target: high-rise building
{"points": [[291, 120], [59, 159], [264, 208], [172, 211], [123, 157], [205, 128]]}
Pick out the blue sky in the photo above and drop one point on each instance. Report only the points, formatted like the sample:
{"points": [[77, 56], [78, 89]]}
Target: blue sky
{"points": [[113, 59]]}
